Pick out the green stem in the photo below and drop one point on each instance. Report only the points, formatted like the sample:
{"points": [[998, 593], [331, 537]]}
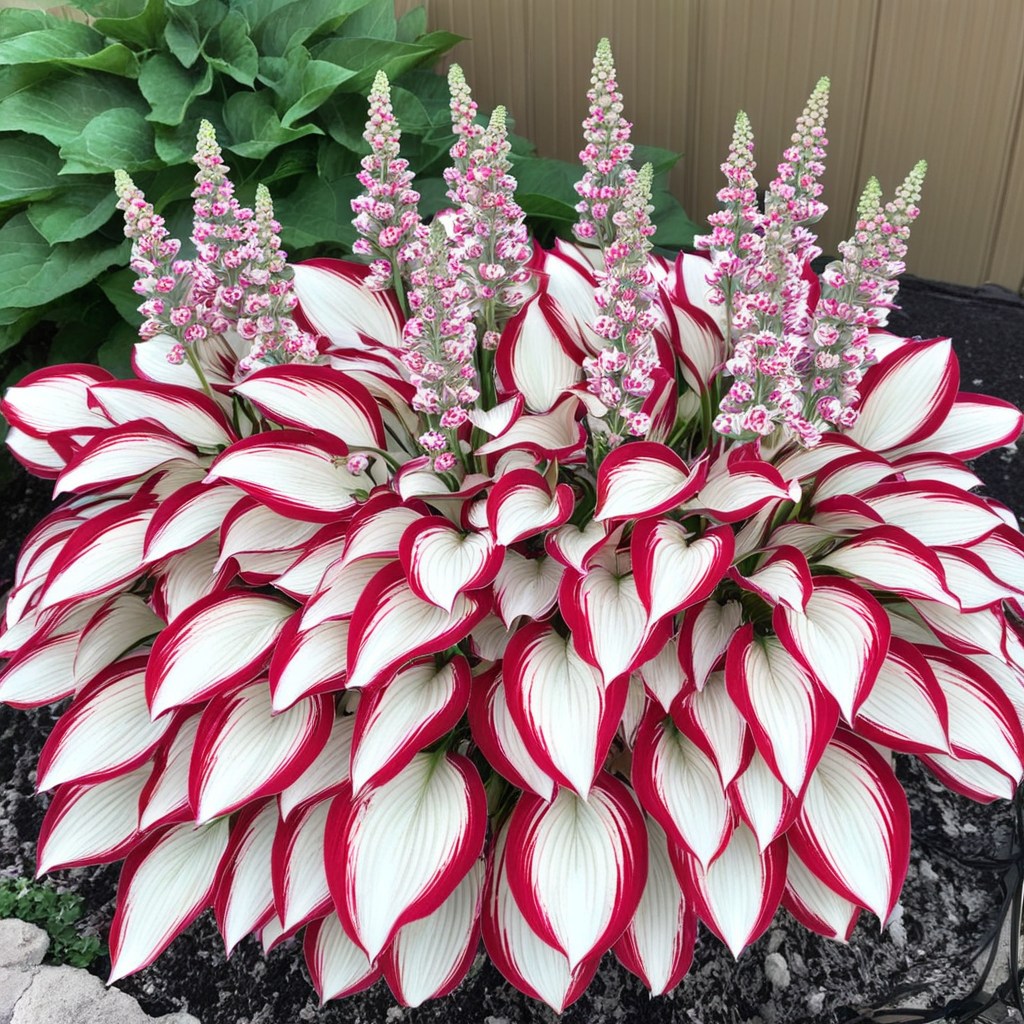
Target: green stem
{"points": [[193, 360]]}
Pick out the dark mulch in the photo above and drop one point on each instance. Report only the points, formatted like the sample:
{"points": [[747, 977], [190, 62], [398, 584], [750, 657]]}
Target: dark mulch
{"points": [[925, 957]]}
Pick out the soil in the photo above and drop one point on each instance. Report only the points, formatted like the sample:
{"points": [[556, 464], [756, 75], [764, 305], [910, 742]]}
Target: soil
{"points": [[925, 957]]}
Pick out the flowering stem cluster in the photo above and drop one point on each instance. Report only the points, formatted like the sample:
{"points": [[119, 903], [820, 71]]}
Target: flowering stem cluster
{"points": [[856, 294], [620, 375], [386, 213], [608, 174], [439, 340]]}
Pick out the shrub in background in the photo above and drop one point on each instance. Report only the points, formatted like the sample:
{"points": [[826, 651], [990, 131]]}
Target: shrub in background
{"points": [[57, 913], [283, 82], [556, 596]]}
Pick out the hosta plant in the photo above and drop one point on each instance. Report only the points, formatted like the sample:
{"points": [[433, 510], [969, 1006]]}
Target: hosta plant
{"points": [[554, 598]]}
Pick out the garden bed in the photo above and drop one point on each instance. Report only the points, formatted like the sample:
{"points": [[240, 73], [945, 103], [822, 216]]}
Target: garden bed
{"points": [[925, 957]]}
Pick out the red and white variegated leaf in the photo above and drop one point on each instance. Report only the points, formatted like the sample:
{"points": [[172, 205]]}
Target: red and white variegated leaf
{"points": [[218, 358], [297, 867], [929, 465], [397, 851], [39, 457], [975, 424], [527, 961], [711, 719], [850, 474], [842, 638], [526, 586], [496, 420], [376, 528], [907, 624], [906, 395], [42, 671], [980, 632], [92, 823], [968, 578], [259, 568], [107, 730], [554, 434], [416, 479], [1007, 676], [164, 800], [270, 933], [101, 556], [244, 896], [1003, 554], [637, 703], [441, 562], [678, 785], [983, 724], [663, 677], [251, 527], [704, 637], [815, 905], [657, 945], [404, 714], [339, 590], [521, 505], [609, 623], [166, 883], [644, 479], [55, 399], [307, 661], [737, 896], [563, 710], [498, 737], [391, 624], [489, 638], [301, 580], [120, 454], [889, 558], [121, 622], [317, 398], [298, 473], [532, 359], [428, 958], [971, 777], [906, 709], [337, 966], [185, 578], [762, 801], [789, 715], [740, 489], [188, 414], [192, 514], [334, 298], [244, 751], [853, 828], [573, 547], [938, 515], [785, 578], [577, 867], [327, 773], [224, 642], [698, 343], [844, 516], [672, 571]]}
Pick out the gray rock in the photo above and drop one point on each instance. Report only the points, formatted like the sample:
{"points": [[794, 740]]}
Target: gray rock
{"points": [[22, 944], [13, 983]]}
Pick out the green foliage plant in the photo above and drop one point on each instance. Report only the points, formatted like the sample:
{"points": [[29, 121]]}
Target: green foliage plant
{"points": [[57, 913]]}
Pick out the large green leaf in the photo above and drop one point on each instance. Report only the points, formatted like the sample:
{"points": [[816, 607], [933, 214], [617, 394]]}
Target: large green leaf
{"points": [[545, 187], [29, 167], [117, 138], [366, 56], [320, 79], [60, 106], [376, 20], [177, 144], [285, 26], [254, 127], [115, 352], [674, 229], [140, 22], [74, 213], [230, 50], [183, 40], [170, 88], [411, 25], [49, 40], [14, 324], [661, 160], [117, 287], [33, 272], [318, 211]]}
